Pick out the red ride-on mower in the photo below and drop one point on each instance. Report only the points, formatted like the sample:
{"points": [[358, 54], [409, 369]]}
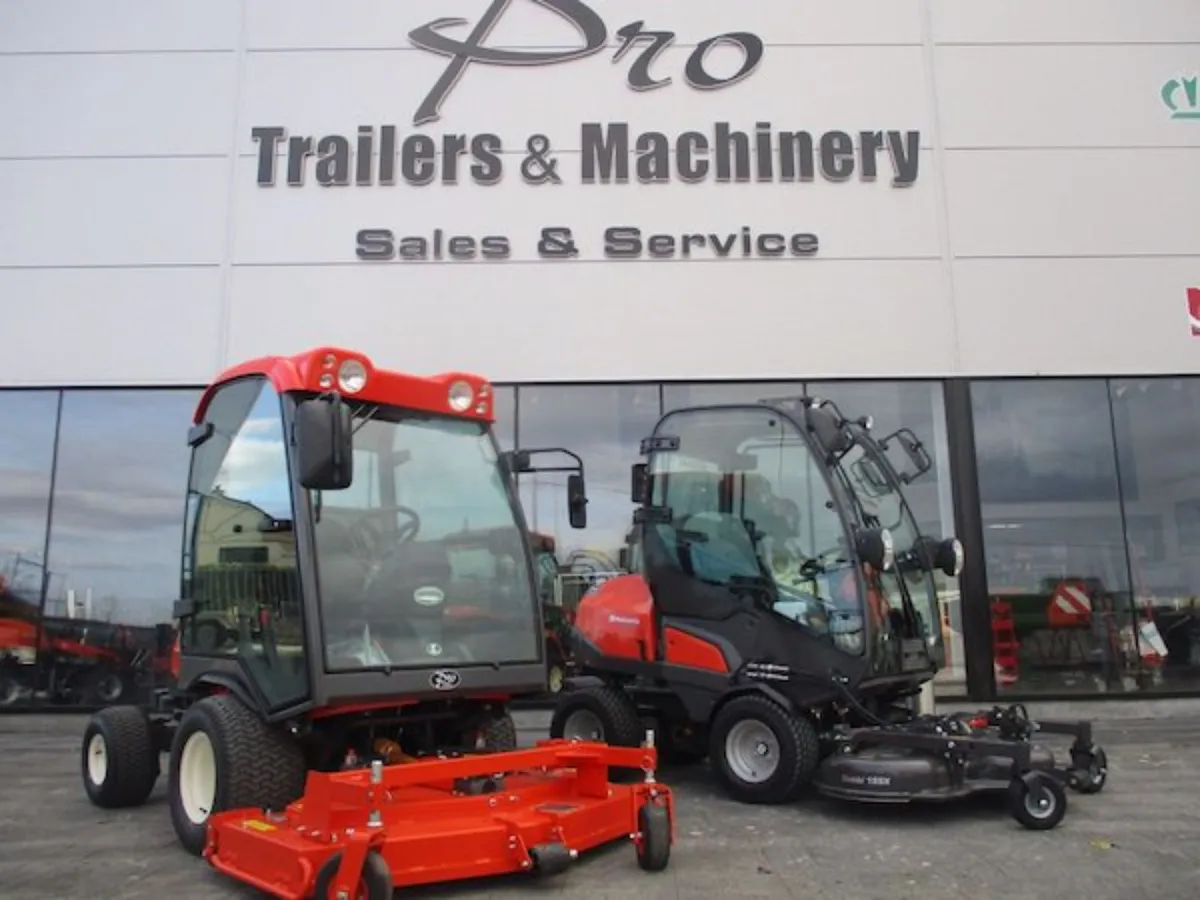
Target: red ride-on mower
{"points": [[350, 735], [783, 617]]}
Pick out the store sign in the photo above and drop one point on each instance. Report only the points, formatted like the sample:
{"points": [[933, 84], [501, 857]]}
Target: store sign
{"points": [[1182, 97], [611, 153], [1193, 302]]}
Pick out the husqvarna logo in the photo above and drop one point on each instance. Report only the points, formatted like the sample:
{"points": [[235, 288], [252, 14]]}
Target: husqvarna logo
{"points": [[445, 680], [614, 619]]}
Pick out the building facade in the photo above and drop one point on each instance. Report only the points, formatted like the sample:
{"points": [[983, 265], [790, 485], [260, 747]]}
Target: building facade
{"points": [[973, 220]]}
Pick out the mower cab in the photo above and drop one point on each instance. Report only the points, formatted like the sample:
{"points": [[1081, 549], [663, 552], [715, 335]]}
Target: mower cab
{"points": [[359, 596]]}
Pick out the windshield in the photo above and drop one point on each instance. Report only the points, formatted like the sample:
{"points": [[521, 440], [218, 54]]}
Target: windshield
{"points": [[871, 478], [751, 511], [422, 560]]}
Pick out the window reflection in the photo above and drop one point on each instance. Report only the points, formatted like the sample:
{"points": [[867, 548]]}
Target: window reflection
{"points": [[679, 396], [1058, 577], [26, 453], [504, 404]]}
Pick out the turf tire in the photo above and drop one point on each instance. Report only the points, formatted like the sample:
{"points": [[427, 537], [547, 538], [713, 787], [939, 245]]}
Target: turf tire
{"points": [[500, 734], [799, 750], [130, 769]]}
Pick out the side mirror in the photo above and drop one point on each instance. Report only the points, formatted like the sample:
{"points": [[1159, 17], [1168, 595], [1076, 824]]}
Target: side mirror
{"points": [[576, 501], [638, 482], [324, 443], [515, 461], [913, 449], [875, 548]]}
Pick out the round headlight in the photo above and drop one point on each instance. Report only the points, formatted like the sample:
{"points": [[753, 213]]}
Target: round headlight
{"points": [[889, 549], [461, 396], [352, 376], [956, 559]]}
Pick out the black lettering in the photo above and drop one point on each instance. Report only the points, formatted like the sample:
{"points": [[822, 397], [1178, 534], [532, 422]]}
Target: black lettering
{"points": [[373, 244], [438, 237], [733, 154], [333, 161], [771, 245], [688, 146], [623, 242], [485, 150], [692, 240], [796, 156], [461, 247], [268, 139], [747, 241], [413, 248], [639, 77], [804, 244], [495, 247], [837, 155], [453, 146], [870, 143], [605, 151], [299, 149], [418, 159], [722, 245], [697, 75], [905, 150], [764, 151], [654, 158], [387, 155], [364, 156], [660, 246]]}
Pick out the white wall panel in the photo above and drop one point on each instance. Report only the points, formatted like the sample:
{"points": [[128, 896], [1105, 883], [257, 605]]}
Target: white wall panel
{"points": [[1073, 316], [113, 26], [553, 322], [112, 212], [317, 92], [1066, 21], [1074, 202], [1086, 96], [111, 326], [386, 23], [117, 104]]}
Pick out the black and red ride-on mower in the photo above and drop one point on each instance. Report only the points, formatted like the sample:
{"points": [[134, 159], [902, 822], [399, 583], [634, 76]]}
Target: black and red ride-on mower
{"points": [[351, 734], [782, 617]]}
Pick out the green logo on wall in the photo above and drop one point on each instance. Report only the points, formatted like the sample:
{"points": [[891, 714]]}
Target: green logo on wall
{"points": [[1182, 97]]}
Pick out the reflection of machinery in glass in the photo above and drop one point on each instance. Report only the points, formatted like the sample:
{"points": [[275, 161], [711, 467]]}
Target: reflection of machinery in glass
{"points": [[783, 614], [372, 686]]}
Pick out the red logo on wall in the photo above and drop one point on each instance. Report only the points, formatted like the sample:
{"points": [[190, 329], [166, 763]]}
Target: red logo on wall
{"points": [[1194, 310]]}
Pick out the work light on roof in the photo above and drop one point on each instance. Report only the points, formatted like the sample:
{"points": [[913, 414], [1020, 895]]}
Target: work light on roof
{"points": [[352, 376], [461, 396]]}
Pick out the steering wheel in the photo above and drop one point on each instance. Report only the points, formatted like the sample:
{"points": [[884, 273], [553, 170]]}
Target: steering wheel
{"points": [[370, 537]]}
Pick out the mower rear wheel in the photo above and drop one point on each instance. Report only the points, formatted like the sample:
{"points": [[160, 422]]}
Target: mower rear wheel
{"points": [[1089, 770], [374, 884], [500, 734], [120, 761], [225, 757], [654, 847], [597, 713], [1037, 800], [761, 752]]}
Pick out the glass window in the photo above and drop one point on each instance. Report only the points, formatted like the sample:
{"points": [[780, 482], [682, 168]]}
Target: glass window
{"points": [[115, 537], [505, 406], [421, 559], [604, 424], [679, 396], [1058, 578], [1158, 431], [920, 407], [240, 511], [26, 457]]}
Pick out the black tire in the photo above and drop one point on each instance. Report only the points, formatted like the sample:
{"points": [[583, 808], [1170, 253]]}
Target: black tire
{"points": [[610, 711], [105, 688], [796, 737], [654, 823], [376, 882], [1089, 770], [10, 691], [119, 759], [500, 734], [1038, 801], [256, 765]]}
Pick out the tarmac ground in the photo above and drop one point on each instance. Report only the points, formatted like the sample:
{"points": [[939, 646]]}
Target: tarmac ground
{"points": [[1139, 838]]}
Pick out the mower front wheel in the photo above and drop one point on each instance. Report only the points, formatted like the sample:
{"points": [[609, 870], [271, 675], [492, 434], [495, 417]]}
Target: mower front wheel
{"points": [[654, 844], [120, 760], [1089, 770], [761, 752], [1037, 800], [375, 883]]}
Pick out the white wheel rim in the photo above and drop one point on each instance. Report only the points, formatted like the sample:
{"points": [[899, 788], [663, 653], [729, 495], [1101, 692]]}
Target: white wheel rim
{"points": [[583, 725], [97, 759], [1040, 803], [197, 777], [556, 679], [752, 751]]}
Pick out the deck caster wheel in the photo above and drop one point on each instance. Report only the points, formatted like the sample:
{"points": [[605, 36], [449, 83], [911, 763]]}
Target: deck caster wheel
{"points": [[375, 882], [1037, 800], [654, 845], [120, 760], [1089, 770], [551, 859]]}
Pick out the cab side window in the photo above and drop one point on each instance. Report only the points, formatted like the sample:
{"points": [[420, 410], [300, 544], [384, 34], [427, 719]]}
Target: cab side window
{"points": [[240, 571]]}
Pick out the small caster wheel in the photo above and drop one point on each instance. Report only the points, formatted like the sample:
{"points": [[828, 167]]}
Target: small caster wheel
{"points": [[1037, 801], [551, 859], [654, 849], [1089, 770], [375, 882]]}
